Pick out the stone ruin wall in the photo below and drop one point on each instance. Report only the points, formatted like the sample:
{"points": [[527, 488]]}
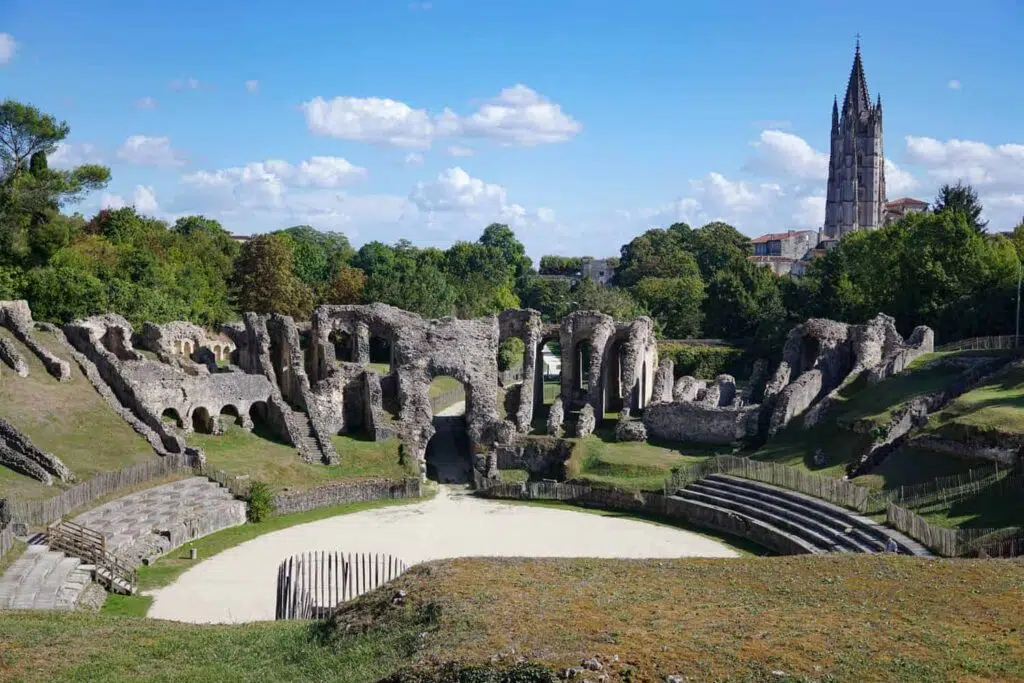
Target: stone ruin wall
{"points": [[16, 317], [183, 339]]}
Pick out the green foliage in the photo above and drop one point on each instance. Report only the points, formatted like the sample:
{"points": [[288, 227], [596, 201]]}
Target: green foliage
{"points": [[963, 199], [510, 353], [552, 298], [264, 281], [612, 301], [674, 303], [316, 256], [454, 672], [259, 502], [347, 286], [707, 362], [560, 265]]}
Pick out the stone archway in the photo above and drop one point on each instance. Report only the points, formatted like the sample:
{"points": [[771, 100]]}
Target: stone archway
{"points": [[229, 415], [202, 421], [171, 416], [448, 454], [611, 379]]}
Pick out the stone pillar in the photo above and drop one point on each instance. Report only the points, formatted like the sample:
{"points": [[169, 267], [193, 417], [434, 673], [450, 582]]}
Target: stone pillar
{"points": [[361, 344]]}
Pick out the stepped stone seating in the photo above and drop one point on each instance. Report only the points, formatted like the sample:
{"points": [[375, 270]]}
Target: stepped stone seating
{"points": [[811, 523], [147, 524], [43, 579]]}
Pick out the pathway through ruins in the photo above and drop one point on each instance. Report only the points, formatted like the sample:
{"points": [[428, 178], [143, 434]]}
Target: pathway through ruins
{"points": [[238, 584]]}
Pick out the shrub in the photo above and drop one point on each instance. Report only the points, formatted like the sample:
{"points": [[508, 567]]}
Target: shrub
{"points": [[510, 353], [707, 361], [260, 501]]}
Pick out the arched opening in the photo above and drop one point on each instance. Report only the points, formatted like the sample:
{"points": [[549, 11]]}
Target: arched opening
{"points": [[229, 415], [612, 378], [547, 379], [581, 366], [259, 413], [342, 342], [202, 421], [381, 355], [449, 460], [171, 416]]}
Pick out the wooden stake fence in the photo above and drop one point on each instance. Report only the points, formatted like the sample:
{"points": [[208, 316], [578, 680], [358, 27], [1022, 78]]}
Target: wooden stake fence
{"points": [[310, 585]]}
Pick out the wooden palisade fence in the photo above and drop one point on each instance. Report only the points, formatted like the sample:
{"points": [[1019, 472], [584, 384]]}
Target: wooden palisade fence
{"points": [[310, 585], [998, 343]]}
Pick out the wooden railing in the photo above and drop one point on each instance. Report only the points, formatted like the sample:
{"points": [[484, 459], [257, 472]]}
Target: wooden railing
{"points": [[91, 547], [998, 343], [310, 585]]}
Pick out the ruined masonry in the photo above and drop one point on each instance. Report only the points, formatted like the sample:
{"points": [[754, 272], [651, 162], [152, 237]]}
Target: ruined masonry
{"points": [[305, 382]]}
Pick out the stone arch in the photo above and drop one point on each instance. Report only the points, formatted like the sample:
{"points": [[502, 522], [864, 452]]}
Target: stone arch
{"points": [[583, 351], [230, 411], [548, 375], [171, 415], [382, 350], [342, 341], [202, 421], [611, 377], [448, 455]]}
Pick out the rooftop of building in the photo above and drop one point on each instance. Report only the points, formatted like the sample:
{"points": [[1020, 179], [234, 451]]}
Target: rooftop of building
{"points": [[772, 236], [905, 202]]}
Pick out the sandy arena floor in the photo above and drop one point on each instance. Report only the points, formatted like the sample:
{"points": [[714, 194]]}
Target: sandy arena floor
{"points": [[238, 584]]}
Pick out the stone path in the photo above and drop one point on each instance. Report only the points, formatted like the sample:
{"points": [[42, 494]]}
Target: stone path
{"points": [[151, 522], [238, 584], [43, 579]]}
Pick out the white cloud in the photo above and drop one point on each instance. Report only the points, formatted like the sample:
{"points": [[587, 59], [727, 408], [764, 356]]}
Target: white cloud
{"points": [[897, 181], [954, 84], [413, 159], [146, 103], [7, 48], [517, 116], [68, 155], [521, 116], [459, 151], [143, 199], [189, 83], [252, 86], [789, 155], [144, 150]]}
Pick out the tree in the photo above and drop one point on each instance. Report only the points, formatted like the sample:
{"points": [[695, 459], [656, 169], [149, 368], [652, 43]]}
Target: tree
{"points": [[674, 303], [502, 238], [316, 255], [264, 281], [611, 301], [552, 298], [347, 286], [962, 198], [662, 253]]}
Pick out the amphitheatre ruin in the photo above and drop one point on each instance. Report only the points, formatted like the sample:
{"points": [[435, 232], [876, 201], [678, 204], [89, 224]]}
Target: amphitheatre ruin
{"points": [[307, 384]]}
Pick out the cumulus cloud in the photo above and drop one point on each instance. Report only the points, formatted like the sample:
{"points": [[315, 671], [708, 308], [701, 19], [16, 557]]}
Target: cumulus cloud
{"points": [[146, 103], [144, 150], [189, 83], [252, 86], [897, 181], [954, 84], [517, 116], [7, 48], [68, 155], [786, 154], [143, 199]]}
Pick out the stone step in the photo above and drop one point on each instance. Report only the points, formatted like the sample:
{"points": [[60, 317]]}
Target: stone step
{"points": [[836, 529], [813, 537], [46, 595], [866, 529], [36, 578], [809, 548]]}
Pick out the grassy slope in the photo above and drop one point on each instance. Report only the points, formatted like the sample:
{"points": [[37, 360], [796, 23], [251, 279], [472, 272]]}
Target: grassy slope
{"points": [[849, 618], [263, 457], [994, 408], [67, 419], [634, 465], [860, 403]]}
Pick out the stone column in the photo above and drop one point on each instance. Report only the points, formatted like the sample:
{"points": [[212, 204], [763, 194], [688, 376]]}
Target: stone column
{"points": [[361, 344]]}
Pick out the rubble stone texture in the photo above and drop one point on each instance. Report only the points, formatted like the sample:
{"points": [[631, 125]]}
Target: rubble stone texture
{"points": [[17, 317], [10, 355], [18, 453]]}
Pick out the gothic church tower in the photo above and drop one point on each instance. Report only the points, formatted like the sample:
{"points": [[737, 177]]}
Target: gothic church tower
{"points": [[855, 198]]}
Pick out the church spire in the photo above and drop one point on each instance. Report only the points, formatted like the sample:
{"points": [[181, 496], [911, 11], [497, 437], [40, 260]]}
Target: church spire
{"points": [[835, 115], [857, 88]]}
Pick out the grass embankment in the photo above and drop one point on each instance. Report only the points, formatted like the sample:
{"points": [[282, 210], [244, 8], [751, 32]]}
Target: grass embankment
{"points": [[848, 618], [988, 412], [631, 465], [68, 419], [845, 433], [263, 456]]}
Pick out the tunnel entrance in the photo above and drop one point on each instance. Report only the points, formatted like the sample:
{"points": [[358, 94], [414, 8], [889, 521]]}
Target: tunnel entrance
{"points": [[448, 457]]}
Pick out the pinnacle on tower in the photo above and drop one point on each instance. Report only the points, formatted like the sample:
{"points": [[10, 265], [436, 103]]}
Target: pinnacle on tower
{"points": [[835, 115], [857, 88]]}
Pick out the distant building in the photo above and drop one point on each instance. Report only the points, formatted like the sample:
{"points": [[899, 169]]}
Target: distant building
{"points": [[599, 270], [552, 363], [898, 208], [781, 250], [241, 239]]}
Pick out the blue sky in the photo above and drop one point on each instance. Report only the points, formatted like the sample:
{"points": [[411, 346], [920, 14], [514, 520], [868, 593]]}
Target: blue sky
{"points": [[579, 123]]}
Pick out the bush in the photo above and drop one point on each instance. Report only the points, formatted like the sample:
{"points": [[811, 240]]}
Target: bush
{"points": [[260, 502], [707, 361], [510, 353]]}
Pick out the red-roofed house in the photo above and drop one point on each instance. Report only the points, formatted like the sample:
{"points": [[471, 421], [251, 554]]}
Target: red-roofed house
{"points": [[898, 208], [780, 250]]}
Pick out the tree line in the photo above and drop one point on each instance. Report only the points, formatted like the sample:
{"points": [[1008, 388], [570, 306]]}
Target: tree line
{"points": [[941, 269]]}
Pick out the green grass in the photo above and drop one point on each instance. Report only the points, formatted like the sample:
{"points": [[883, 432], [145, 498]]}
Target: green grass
{"points": [[126, 605], [631, 465], [517, 476], [381, 368], [264, 457], [831, 618], [442, 384], [994, 409], [68, 419], [11, 555]]}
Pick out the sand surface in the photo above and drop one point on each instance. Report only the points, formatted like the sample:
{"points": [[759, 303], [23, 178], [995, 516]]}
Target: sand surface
{"points": [[238, 584]]}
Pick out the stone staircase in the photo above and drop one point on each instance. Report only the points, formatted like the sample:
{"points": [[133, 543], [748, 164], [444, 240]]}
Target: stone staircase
{"points": [[44, 579], [814, 524]]}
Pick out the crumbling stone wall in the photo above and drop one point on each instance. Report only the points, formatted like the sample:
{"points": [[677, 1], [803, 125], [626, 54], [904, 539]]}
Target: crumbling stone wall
{"points": [[688, 421], [17, 317], [524, 324], [17, 452], [10, 355], [543, 457], [184, 339], [663, 382]]}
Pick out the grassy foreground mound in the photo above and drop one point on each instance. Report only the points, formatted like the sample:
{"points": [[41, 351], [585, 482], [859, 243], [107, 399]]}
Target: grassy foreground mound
{"points": [[841, 618]]}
